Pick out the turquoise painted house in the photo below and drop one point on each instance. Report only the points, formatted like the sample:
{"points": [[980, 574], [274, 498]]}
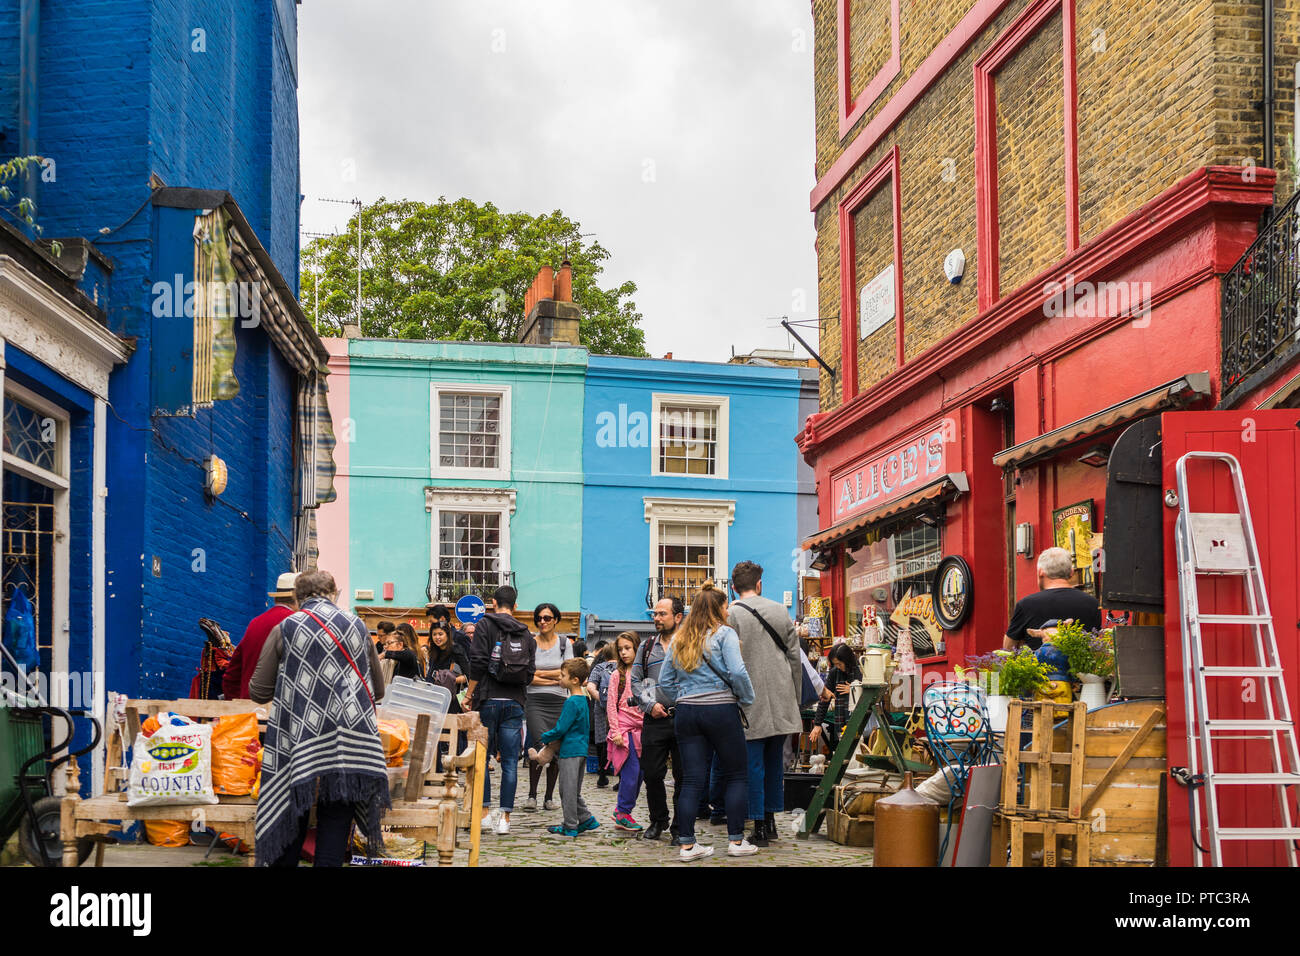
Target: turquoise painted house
{"points": [[459, 469]]}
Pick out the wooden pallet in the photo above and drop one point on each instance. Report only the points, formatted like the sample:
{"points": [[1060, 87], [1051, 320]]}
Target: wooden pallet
{"points": [[1053, 778], [1024, 835]]}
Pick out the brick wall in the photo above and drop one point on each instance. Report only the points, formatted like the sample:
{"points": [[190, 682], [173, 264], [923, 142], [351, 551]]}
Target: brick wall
{"points": [[244, 539], [1031, 158], [869, 41], [1163, 90]]}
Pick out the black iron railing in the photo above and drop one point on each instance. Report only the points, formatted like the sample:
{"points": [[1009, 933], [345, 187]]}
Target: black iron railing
{"points": [[1261, 304], [679, 587], [449, 586]]}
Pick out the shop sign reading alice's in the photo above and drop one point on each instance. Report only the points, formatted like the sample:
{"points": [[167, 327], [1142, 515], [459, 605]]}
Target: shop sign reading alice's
{"points": [[904, 468]]}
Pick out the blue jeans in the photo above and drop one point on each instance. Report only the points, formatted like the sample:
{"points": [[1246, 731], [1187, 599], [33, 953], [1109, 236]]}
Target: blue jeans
{"points": [[766, 776], [716, 728], [629, 782], [714, 802], [504, 720]]}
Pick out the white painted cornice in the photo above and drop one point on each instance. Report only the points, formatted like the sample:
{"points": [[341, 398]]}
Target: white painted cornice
{"points": [[44, 324]]}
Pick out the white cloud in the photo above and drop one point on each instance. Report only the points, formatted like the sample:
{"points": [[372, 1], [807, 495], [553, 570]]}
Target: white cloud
{"points": [[426, 102]]}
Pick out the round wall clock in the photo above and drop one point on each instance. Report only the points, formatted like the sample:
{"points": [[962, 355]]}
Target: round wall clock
{"points": [[952, 592]]}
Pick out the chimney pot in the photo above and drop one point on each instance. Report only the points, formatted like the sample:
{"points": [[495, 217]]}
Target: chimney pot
{"points": [[564, 283]]}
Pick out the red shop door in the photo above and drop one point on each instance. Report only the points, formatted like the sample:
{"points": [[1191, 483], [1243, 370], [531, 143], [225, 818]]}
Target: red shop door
{"points": [[1267, 443]]}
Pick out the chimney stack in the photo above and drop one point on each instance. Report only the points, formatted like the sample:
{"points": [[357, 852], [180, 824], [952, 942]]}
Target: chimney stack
{"points": [[550, 315]]}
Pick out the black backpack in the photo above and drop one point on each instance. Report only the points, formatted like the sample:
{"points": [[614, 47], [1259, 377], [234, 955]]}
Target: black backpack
{"points": [[513, 664]]}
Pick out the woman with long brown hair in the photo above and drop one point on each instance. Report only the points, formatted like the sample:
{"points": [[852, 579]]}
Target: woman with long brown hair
{"points": [[704, 675], [404, 647]]}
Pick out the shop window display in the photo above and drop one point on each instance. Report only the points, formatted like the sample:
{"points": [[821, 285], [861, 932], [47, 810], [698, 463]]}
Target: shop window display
{"points": [[888, 576]]}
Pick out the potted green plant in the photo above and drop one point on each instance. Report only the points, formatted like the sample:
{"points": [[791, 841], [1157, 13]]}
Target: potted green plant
{"points": [[985, 672], [1092, 660], [1022, 674]]}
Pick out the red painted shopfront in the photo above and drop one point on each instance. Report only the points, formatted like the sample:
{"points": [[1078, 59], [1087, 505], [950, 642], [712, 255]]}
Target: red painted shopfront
{"points": [[985, 430]]}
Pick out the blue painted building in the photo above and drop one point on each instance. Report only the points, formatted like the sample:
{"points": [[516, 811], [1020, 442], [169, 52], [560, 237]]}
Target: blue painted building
{"points": [[686, 473], [170, 132]]}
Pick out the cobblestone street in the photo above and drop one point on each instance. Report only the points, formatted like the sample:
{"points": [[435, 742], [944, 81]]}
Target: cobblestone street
{"points": [[528, 844]]}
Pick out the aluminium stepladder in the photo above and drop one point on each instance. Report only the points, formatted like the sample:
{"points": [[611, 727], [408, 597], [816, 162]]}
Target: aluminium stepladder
{"points": [[1223, 544]]}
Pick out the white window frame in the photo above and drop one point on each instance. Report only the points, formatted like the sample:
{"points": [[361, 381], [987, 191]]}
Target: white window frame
{"points": [[62, 440], [499, 501], [721, 513], [502, 471], [719, 403]]}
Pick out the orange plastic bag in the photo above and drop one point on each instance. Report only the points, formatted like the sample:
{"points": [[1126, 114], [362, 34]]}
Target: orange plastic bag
{"points": [[236, 754], [396, 738], [167, 832]]}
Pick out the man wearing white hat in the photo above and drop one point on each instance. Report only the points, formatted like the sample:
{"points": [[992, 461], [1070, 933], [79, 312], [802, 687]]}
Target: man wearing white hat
{"points": [[234, 685]]}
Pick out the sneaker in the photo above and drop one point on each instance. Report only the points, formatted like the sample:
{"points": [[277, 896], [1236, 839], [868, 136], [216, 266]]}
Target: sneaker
{"points": [[503, 825], [623, 821], [743, 848], [602, 781], [694, 853], [561, 830], [550, 805], [489, 819], [530, 804], [590, 823]]}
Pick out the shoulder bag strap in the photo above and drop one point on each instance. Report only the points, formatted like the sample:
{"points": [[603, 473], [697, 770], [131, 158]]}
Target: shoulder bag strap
{"points": [[780, 644], [344, 650], [744, 721]]}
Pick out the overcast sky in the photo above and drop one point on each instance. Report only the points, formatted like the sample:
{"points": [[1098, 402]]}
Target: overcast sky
{"points": [[680, 132]]}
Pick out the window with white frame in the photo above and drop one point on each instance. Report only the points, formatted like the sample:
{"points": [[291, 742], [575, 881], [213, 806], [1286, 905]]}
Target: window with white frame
{"points": [[690, 435], [35, 437], [470, 550], [471, 431], [688, 543]]}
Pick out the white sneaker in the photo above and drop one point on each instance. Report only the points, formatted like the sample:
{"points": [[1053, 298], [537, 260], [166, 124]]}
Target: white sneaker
{"points": [[503, 825], [743, 848], [550, 805], [489, 820], [531, 803], [695, 852]]}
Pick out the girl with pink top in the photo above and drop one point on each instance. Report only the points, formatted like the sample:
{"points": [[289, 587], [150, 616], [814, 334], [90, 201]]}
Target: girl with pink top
{"points": [[624, 739]]}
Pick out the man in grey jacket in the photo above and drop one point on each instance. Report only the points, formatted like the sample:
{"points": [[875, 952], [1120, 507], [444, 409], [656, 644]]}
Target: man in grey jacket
{"points": [[770, 647]]}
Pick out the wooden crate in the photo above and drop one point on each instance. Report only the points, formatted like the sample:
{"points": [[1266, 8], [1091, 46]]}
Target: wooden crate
{"points": [[1124, 783], [1053, 773], [849, 830], [1023, 836]]}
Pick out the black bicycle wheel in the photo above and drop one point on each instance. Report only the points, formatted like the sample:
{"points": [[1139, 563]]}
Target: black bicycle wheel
{"points": [[43, 827]]}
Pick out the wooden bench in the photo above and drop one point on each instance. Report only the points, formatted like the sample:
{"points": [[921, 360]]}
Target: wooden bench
{"points": [[429, 804]]}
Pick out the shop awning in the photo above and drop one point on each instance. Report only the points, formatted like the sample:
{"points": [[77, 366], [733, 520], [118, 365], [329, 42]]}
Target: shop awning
{"points": [[1176, 394], [949, 486]]}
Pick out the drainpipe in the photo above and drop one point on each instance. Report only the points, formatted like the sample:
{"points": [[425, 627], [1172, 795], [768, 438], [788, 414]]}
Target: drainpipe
{"points": [[28, 95], [1269, 98]]}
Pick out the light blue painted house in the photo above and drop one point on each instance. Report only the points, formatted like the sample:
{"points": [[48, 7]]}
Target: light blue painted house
{"points": [[687, 471]]}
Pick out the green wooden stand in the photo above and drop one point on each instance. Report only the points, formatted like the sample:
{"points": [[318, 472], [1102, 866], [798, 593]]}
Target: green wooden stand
{"points": [[871, 696]]}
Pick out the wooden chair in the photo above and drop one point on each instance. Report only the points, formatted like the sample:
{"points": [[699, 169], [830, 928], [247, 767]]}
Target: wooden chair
{"points": [[428, 808]]}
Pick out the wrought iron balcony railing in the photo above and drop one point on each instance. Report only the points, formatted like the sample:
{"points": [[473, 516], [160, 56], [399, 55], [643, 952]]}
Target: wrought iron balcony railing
{"points": [[1261, 304], [449, 586], [661, 587]]}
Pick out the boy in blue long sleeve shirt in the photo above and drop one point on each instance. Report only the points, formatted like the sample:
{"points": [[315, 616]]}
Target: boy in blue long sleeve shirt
{"points": [[572, 731]]}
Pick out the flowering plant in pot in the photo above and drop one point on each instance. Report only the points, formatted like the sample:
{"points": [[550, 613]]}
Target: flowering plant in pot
{"points": [[986, 673]]}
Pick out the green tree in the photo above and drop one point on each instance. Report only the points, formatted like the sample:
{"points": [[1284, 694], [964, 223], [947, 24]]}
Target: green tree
{"points": [[459, 270]]}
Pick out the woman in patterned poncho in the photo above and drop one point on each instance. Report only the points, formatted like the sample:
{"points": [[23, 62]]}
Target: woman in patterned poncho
{"points": [[322, 741]]}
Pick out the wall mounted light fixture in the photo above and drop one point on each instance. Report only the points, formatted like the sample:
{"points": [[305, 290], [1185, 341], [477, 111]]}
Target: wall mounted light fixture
{"points": [[215, 476]]}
